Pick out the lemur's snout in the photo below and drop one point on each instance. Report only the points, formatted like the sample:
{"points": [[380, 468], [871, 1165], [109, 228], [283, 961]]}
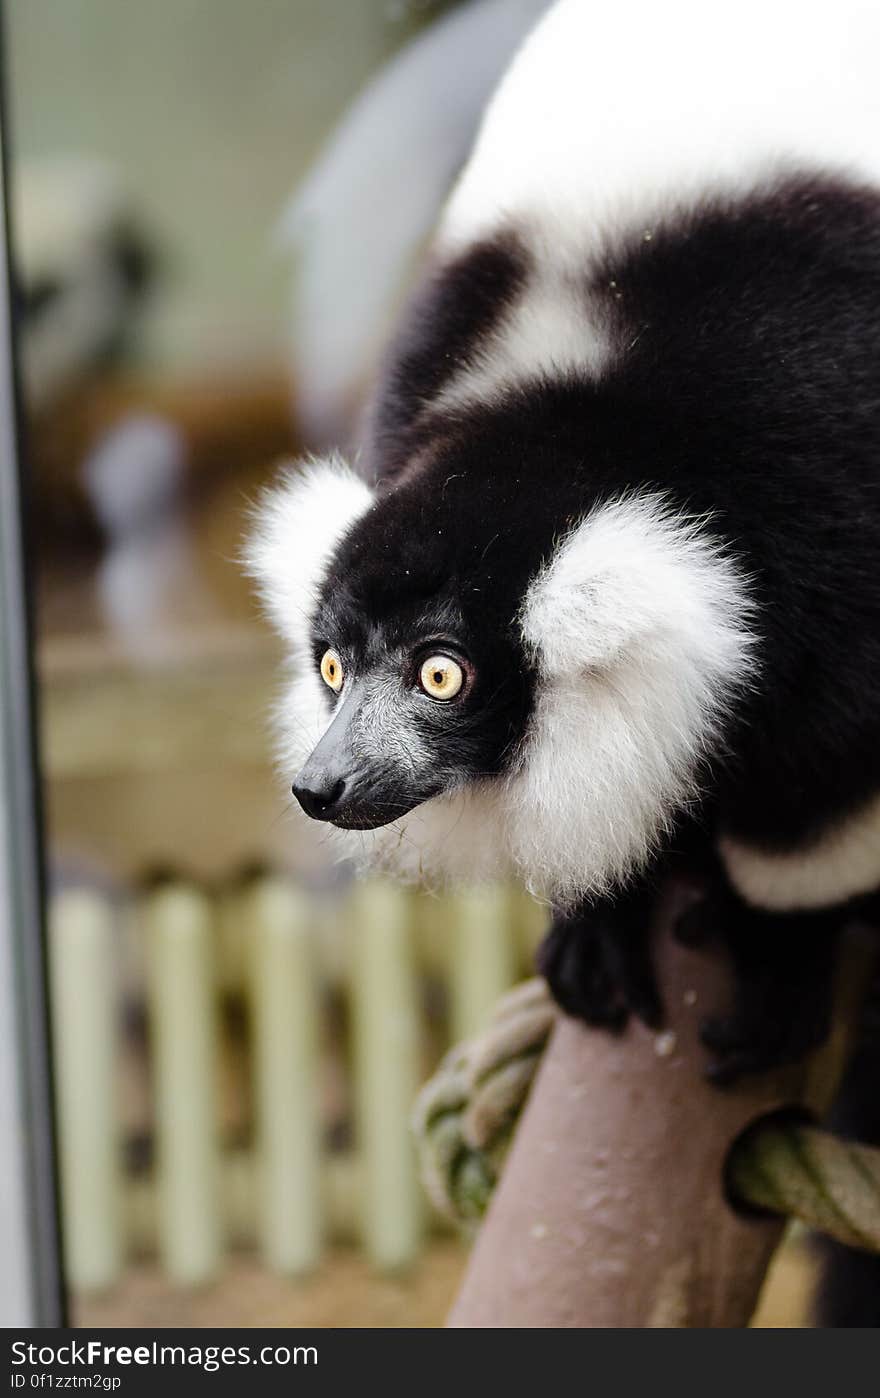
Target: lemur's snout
{"points": [[345, 787], [321, 794], [325, 784]]}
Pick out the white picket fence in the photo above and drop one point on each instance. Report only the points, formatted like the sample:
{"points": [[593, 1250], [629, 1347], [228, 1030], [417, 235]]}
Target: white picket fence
{"points": [[285, 1194]]}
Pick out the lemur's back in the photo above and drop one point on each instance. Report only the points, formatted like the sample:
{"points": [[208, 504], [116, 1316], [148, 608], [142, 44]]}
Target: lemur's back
{"points": [[613, 124]]}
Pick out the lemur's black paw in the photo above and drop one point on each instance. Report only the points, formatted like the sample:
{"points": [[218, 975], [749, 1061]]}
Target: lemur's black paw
{"points": [[594, 979], [576, 972]]}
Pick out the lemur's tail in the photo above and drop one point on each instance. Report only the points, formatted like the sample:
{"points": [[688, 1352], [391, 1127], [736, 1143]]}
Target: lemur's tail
{"points": [[849, 1289]]}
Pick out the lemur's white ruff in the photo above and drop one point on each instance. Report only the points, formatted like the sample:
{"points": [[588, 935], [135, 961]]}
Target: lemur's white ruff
{"points": [[299, 523]]}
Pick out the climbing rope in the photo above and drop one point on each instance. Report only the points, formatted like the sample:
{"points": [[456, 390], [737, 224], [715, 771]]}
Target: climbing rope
{"points": [[791, 1168], [466, 1113]]}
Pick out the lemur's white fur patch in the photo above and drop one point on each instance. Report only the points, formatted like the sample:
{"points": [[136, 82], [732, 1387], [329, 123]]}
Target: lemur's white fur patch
{"points": [[550, 330], [844, 863], [299, 524], [611, 114], [639, 627]]}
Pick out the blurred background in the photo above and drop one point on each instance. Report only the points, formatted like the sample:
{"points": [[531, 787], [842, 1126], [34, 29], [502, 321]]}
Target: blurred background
{"points": [[217, 208]]}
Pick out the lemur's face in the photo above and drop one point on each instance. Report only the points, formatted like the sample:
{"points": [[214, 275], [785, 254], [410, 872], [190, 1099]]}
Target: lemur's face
{"points": [[499, 682], [422, 697]]}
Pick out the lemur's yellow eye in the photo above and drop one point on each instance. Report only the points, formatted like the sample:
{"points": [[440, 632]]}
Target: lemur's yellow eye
{"points": [[331, 670], [441, 677]]}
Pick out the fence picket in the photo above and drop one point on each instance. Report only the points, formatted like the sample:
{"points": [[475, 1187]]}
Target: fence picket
{"points": [[285, 1027], [85, 1027], [178, 923], [387, 1070]]}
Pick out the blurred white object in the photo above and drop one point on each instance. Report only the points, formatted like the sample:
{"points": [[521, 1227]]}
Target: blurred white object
{"points": [[148, 578], [79, 263], [134, 473], [374, 195]]}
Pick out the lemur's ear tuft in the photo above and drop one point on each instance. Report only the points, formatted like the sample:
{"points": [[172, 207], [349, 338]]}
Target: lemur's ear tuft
{"points": [[298, 524], [640, 629], [636, 579]]}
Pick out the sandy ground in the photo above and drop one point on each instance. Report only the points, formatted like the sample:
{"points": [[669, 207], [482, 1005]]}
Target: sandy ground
{"points": [[345, 1291]]}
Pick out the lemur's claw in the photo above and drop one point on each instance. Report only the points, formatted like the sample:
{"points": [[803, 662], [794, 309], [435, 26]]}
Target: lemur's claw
{"points": [[754, 1040]]}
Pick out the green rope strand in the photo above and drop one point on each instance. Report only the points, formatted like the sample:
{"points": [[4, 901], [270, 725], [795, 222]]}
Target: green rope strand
{"points": [[798, 1170]]}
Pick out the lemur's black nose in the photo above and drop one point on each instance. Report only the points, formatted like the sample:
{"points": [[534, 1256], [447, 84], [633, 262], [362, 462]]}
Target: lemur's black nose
{"points": [[320, 797]]}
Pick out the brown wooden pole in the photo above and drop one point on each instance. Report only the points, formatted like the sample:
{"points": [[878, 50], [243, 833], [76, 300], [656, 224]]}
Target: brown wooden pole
{"points": [[611, 1208]]}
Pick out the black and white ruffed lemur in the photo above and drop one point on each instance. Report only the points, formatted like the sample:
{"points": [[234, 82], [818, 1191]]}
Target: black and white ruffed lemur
{"points": [[606, 584]]}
